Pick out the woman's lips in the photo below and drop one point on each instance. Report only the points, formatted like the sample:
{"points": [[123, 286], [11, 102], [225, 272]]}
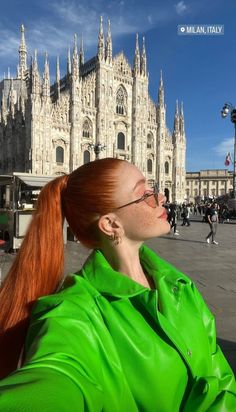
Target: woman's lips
{"points": [[163, 215]]}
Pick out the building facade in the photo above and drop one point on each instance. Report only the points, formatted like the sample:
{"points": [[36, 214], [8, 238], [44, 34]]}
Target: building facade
{"points": [[208, 184], [52, 129]]}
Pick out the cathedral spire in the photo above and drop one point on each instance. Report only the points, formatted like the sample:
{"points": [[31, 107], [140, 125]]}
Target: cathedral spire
{"points": [[35, 75], [176, 121], [181, 121], [58, 77], [161, 99], [177, 108], [137, 58], [22, 99], [161, 80], [75, 60], [3, 109], [109, 44], [46, 78], [81, 52], [22, 54], [144, 60], [101, 43], [68, 63], [35, 61], [11, 99]]}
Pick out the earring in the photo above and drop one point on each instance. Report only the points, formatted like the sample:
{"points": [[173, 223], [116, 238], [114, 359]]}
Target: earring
{"points": [[117, 240]]}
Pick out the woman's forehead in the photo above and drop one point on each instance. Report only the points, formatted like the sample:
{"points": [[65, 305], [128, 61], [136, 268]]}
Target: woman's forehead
{"points": [[131, 177]]}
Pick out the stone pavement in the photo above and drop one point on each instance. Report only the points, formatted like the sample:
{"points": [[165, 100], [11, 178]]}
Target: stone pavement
{"points": [[211, 267]]}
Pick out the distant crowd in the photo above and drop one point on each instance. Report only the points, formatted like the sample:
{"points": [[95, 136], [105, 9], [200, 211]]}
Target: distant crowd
{"points": [[183, 211]]}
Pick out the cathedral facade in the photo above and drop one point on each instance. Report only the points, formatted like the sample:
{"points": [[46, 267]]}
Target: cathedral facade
{"points": [[102, 103]]}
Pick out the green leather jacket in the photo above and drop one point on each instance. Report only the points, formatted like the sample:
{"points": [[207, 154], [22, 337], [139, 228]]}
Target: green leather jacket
{"points": [[106, 343]]}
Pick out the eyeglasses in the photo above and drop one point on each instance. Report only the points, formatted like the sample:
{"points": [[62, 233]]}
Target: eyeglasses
{"points": [[150, 197]]}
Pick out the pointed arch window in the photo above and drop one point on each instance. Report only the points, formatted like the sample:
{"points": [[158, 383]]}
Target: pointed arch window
{"points": [[121, 101], [87, 129], [86, 156], [149, 141], [167, 168], [59, 154], [149, 165], [121, 141]]}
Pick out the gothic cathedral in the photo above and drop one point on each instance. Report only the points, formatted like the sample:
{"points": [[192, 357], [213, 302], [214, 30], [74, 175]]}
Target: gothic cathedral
{"points": [[102, 103]]}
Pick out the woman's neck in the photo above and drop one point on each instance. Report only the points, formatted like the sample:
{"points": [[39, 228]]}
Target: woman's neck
{"points": [[124, 258]]}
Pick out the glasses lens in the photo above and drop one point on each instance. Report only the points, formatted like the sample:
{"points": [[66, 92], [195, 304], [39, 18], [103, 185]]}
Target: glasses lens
{"points": [[151, 199]]}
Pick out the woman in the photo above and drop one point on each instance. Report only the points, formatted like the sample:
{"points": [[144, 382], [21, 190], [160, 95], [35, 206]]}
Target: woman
{"points": [[128, 332]]}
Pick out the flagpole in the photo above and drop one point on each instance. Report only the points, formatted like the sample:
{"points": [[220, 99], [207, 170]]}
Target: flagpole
{"points": [[228, 107]]}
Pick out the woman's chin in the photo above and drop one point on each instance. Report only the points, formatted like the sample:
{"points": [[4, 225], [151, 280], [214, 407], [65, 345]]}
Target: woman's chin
{"points": [[167, 229], [162, 229]]}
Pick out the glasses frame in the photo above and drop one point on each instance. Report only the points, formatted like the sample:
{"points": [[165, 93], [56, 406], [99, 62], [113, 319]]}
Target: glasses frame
{"points": [[155, 191]]}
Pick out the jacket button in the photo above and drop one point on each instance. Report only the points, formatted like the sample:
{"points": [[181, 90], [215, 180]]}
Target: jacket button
{"points": [[175, 289], [189, 352]]}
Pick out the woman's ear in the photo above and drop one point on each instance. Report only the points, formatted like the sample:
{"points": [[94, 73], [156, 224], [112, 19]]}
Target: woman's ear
{"points": [[110, 225]]}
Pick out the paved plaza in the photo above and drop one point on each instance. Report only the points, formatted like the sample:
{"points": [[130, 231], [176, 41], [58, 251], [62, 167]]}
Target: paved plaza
{"points": [[213, 269]]}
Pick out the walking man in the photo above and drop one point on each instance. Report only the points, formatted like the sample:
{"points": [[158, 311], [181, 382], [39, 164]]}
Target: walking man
{"points": [[212, 218], [172, 218], [185, 215]]}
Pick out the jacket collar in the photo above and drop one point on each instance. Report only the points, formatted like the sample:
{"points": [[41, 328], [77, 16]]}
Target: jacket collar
{"points": [[107, 281]]}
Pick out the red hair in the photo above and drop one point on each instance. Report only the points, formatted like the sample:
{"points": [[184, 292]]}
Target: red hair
{"points": [[81, 197]]}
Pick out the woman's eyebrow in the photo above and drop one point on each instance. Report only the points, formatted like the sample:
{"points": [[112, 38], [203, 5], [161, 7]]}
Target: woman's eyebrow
{"points": [[139, 183]]}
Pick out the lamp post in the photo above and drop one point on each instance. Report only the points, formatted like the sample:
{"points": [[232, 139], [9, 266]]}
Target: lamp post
{"points": [[229, 108], [98, 148]]}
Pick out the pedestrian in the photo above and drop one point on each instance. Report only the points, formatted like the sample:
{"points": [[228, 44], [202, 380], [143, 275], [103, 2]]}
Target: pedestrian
{"points": [[205, 212], [212, 216], [117, 335], [172, 218], [225, 214], [185, 215]]}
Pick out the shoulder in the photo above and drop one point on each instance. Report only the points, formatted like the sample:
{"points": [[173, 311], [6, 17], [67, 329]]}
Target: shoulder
{"points": [[75, 300], [66, 319]]}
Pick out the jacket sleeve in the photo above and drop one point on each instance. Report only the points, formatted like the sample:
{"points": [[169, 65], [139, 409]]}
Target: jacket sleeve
{"points": [[44, 389], [62, 369], [218, 390]]}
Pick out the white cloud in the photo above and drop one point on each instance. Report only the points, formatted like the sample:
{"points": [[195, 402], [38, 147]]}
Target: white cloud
{"points": [[53, 31], [150, 19], [225, 146], [180, 7], [9, 42]]}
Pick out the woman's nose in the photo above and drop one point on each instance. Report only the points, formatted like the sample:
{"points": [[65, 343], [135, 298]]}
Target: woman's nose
{"points": [[161, 199]]}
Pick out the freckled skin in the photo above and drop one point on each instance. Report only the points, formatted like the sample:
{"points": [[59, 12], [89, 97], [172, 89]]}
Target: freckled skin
{"points": [[140, 221], [132, 224]]}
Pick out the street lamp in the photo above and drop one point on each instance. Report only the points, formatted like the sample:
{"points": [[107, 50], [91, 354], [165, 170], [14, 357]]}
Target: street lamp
{"points": [[98, 148], [228, 107]]}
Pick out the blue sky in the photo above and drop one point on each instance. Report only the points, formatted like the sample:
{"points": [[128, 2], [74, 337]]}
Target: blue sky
{"points": [[198, 70]]}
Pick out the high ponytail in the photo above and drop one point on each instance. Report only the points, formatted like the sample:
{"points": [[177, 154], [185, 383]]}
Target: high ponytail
{"points": [[83, 196], [37, 270]]}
